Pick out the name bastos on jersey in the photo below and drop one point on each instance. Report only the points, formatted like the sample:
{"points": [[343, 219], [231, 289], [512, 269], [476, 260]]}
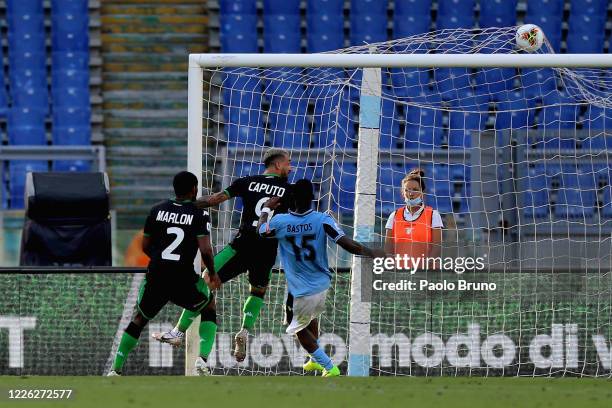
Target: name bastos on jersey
{"points": [[174, 228], [303, 249], [255, 191]]}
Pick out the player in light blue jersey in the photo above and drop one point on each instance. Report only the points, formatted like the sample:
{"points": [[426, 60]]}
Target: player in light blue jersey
{"points": [[302, 235]]}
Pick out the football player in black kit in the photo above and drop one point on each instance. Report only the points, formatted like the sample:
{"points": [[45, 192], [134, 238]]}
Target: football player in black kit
{"points": [[248, 252], [173, 233]]}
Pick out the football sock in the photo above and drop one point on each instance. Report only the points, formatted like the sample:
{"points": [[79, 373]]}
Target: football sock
{"points": [[320, 357], [251, 310], [185, 320], [126, 345], [208, 330]]}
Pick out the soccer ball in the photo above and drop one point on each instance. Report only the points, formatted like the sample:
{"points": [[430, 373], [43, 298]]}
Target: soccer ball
{"points": [[529, 37]]}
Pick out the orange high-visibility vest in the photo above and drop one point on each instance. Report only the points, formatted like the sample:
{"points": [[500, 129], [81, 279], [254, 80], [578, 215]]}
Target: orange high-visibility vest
{"points": [[412, 238]]}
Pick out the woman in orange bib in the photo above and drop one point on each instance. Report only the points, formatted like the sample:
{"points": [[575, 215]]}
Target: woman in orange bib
{"points": [[415, 229]]}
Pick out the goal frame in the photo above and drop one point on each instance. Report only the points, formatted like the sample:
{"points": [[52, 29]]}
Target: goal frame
{"points": [[359, 346]]}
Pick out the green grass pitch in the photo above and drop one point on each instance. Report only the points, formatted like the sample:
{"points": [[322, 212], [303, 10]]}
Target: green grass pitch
{"points": [[93, 392]]}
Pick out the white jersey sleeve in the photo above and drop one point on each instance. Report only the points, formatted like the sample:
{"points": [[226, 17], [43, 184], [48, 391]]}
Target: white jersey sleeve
{"points": [[436, 220], [389, 224]]}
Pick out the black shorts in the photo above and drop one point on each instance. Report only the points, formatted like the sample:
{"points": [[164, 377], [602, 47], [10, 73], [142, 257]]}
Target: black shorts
{"points": [[247, 253], [155, 292]]}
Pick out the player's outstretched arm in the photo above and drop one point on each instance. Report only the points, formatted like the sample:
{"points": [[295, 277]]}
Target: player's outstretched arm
{"points": [[356, 248], [212, 200], [208, 260], [268, 207]]}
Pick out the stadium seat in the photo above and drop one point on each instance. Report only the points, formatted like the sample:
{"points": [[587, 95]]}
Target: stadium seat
{"points": [[304, 169], [536, 188], [390, 137], [584, 43], [576, 197], [453, 21], [452, 81], [580, 23], [417, 8], [368, 28], [70, 78], [596, 121], [408, 82], [70, 97], [369, 6], [593, 7], [544, 7], [26, 42], [79, 7], [17, 178], [288, 124], [343, 187], [79, 166], [238, 7], [22, 24], [238, 33], [461, 124], [409, 25], [242, 97], [498, 13], [606, 210], [72, 116], [70, 33], [325, 6], [494, 81], [456, 7], [281, 7], [423, 128], [21, 61], [321, 41], [27, 78], [31, 97], [21, 7], [333, 117], [67, 60], [282, 33], [514, 115], [538, 81], [71, 135]]}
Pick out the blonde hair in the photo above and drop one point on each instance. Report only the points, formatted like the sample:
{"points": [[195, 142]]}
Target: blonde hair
{"points": [[416, 174]]}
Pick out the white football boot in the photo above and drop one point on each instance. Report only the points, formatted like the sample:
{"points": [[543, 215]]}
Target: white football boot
{"points": [[201, 367], [174, 337], [241, 344]]}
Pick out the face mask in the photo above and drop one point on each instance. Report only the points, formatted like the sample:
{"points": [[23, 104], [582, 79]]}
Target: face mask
{"points": [[414, 201]]}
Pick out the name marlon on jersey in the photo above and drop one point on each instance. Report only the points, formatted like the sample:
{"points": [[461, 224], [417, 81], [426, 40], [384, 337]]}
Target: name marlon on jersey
{"points": [[166, 216], [271, 190]]}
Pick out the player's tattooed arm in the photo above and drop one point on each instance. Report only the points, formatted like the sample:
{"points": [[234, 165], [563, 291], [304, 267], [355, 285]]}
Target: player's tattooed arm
{"points": [[212, 200]]}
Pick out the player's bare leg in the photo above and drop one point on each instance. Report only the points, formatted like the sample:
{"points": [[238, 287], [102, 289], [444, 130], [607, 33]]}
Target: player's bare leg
{"points": [[312, 365], [309, 341], [251, 310]]}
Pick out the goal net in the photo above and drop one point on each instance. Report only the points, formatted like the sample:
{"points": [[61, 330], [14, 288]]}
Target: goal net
{"points": [[516, 162]]}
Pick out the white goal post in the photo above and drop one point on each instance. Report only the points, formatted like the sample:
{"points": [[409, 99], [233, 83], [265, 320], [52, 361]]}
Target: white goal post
{"points": [[367, 158]]}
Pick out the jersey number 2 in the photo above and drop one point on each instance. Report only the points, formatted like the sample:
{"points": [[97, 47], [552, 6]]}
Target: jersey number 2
{"points": [[167, 253]]}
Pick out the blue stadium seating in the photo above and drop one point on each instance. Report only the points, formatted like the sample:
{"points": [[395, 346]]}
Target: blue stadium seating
{"points": [[71, 135], [19, 61], [21, 7], [70, 33], [417, 8], [238, 7], [389, 194], [70, 97], [606, 210], [449, 7], [494, 81], [27, 78], [515, 115], [331, 7], [26, 126], [321, 41], [596, 121], [544, 7], [282, 33], [26, 42], [72, 165], [3, 93], [423, 128], [593, 7], [368, 28], [408, 82], [21, 24], [333, 117], [536, 193], [31, 97], [288, 119], [461, 124], [72, 116], [308, 170], [452, 21], [498, 13], [538, 81], [238, 33], [17, 177], [70, 78], [585, 43], [281, 7], [390, 137], [576, 197], [580, 23], [79, 7], [343, 187], [451, 82], [409, 25], [66, 60], [242, 109], [369, 6]]}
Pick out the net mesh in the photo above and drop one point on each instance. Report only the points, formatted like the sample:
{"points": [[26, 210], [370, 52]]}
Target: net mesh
{"points": [[516, 162]]}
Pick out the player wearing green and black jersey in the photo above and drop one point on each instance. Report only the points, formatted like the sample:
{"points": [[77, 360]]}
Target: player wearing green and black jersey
{"points": [[248, 252], [173, 233]]}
